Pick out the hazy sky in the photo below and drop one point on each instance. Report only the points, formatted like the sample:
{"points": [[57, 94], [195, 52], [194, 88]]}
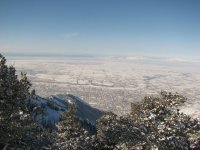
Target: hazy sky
{"points": [[168, 28]]}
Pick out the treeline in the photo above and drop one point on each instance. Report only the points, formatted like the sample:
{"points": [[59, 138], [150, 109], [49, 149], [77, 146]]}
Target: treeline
{"points": [[155, 123]]}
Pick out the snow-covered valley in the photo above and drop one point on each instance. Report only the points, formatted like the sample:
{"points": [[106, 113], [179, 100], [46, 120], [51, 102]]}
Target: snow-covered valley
{"points": [[112, 83]]}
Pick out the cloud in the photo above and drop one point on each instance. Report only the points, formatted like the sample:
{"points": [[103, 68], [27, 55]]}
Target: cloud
{"points": [[184, 60], [134, 58], [71, 34]]}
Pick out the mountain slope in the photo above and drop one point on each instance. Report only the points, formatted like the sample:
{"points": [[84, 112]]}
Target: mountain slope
{"points": [[53, 106]]}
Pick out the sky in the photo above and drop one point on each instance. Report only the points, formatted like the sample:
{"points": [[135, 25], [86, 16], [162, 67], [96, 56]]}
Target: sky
{"points": [[160, 28]]}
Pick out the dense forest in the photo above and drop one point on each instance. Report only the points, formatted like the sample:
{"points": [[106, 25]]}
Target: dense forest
{"points": [[154, 123]]}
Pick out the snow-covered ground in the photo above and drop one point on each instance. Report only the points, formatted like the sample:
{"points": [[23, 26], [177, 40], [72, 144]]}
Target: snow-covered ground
{"points": [[112, 83]]}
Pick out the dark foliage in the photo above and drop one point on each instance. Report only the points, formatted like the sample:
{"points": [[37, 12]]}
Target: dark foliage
{"points": [[17, 127]]}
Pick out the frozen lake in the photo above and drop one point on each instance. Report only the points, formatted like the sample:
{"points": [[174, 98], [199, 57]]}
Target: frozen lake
{"points": [[112, 83]]}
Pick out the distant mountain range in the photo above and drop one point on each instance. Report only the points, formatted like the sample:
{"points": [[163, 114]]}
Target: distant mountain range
{"points": [[53, 107]]}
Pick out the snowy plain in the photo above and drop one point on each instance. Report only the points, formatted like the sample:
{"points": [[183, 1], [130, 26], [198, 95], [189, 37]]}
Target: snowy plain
{"points": [[112, 83]]}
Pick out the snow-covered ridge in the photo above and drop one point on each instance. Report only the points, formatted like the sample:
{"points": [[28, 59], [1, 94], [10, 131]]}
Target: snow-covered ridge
{"points": [[54, 105]]}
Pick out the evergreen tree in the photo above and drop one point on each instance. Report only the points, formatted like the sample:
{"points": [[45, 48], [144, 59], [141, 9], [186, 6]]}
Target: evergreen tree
{"points": [[14, 115], [154, 123], [115, 132], [17, 127], [70, 134]]}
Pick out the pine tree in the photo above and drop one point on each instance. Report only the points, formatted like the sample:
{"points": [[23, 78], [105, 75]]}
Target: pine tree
{"points": [[70, 134], [16, 123]]}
